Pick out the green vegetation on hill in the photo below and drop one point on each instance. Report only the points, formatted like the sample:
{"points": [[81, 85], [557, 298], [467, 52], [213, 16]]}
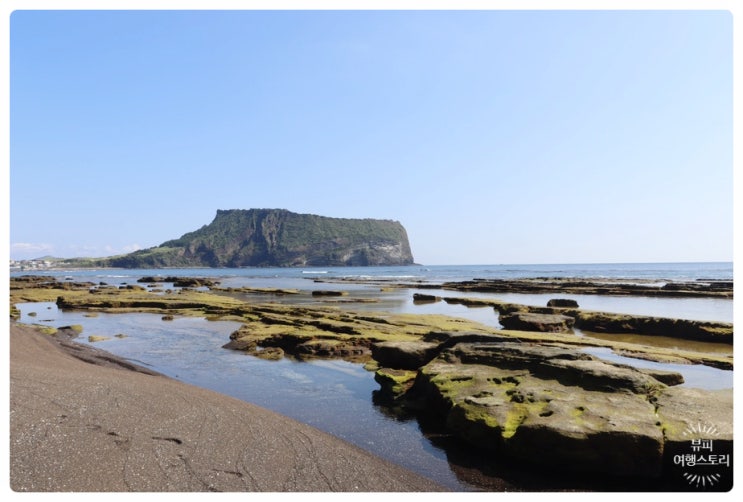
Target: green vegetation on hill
{"points": [[276, 238]]}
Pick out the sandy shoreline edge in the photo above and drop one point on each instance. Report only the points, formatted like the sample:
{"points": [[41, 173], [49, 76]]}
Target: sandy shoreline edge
{"points": [[84, 420]]}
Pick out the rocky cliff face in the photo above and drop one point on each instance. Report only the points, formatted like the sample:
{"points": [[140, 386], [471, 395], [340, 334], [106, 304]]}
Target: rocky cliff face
{"points": [[278, 238]]}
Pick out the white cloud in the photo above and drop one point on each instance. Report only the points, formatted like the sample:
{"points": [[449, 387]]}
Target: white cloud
{"points": [[30, 250], [100, 251], [109, 250]]}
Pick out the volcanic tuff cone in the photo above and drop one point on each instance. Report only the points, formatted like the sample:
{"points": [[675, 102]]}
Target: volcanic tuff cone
{"points": [[278, 238]]}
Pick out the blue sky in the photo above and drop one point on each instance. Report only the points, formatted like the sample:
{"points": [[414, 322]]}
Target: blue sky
{"points": [[492, 136]]}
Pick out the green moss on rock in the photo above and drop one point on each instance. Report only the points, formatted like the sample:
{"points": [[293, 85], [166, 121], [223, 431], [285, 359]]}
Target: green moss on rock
{"points": [[395, 382]]}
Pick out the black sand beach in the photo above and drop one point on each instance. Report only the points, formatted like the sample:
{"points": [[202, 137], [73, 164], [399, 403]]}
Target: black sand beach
{"points": [[82, 420]]}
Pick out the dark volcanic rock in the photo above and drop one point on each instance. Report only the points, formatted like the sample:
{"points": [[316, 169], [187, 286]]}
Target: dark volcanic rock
{"points": [[395, 382], [404, 355], [602, 322], [637, 287], [562, 302], [545, 323], [270, 353], [331, 348], [180, 282], [566, 365], [669, 378], [320, 292], [552, 407], [533, 318], [423, 298]]}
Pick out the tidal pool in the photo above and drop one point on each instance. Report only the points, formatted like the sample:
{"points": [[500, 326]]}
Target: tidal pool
{"points": [[335, 396]]}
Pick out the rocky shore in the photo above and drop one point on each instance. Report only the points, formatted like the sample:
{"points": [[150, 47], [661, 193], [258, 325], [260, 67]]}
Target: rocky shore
{"points": [[619, 287], [563, 286], [529, 394], [551, 406], [562, 315]]}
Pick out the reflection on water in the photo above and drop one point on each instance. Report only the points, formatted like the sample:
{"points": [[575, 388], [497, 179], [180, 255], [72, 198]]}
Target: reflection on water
{"points": [[698, 309], [695, 375], [400, 300], [664, 342], [334, 396]]}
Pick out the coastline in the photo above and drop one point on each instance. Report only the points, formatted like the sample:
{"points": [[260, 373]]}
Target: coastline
{"points": [[148, 295], [84, 420]]}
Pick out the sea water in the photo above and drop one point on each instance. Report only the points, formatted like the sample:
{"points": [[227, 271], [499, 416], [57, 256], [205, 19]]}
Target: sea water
{"points": [[441, 273], [400, 301], [338, 396]]}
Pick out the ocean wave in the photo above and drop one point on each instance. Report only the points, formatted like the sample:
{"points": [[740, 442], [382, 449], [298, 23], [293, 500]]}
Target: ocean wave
{"points": [[380, 277]]}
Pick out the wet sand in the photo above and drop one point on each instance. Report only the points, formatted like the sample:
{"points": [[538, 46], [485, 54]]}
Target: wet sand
{"points": [[83, 420]]}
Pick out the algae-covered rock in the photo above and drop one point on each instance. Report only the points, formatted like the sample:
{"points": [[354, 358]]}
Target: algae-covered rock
{"points": [[270, 353], [245, 344], [97, 338], [447, 340], [323, 292], [404, 355], [528, 321], [331, 348], [423, 298], [562, 302], [602, 322], [395, 382], [133, 287], [548, 406], [180, 282], [596, 286], [589, 431], [698, 424], [669, 378], [683, 410], [515, 316]]}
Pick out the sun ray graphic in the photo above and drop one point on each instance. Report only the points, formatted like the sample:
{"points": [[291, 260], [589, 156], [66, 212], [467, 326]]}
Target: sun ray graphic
{"points": [[701, 430], [704, 480]]}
